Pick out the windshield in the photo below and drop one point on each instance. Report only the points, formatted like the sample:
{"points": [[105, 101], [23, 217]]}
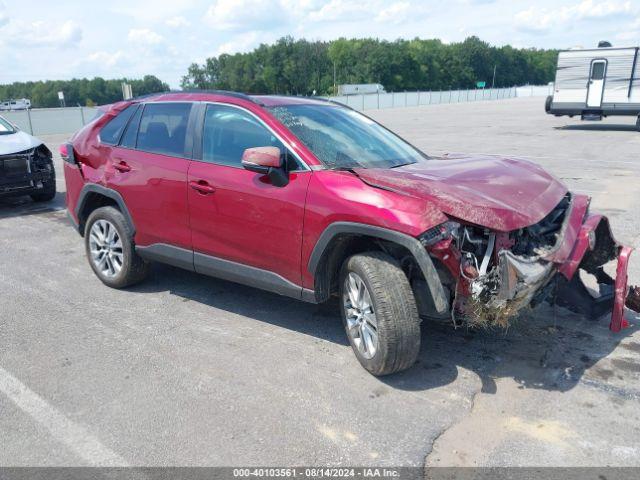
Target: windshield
{"points": [[343, 138], [5, 127]]}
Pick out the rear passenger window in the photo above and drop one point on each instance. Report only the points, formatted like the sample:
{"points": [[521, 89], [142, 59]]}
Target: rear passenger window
{"points": [[163, 128], [112, 131]]}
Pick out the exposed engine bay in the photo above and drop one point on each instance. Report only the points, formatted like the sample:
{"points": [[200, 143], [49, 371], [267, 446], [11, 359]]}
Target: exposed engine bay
{"points": [[500, 273]]}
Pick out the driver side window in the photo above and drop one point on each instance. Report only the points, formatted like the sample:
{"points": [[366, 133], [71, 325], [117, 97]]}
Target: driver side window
{"points": [[229, 131]]}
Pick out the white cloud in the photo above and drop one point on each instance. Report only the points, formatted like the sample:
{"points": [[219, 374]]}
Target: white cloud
{"points": [[631, 36], [245, 15], [341, 10], [177, 22], [243, 43], [541, 19], [107, 59], [150, 11], [394, 13], [42, 34], [83, 39], [4, 16], [600, 9], [144, 36]]}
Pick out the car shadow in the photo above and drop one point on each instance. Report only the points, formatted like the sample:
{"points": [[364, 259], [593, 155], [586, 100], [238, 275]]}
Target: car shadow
{"points": [[24, 206], [603, 127], [547, 348]]}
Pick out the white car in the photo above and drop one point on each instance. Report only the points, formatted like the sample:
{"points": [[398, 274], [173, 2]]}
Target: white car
{"points": [[26, 165]]}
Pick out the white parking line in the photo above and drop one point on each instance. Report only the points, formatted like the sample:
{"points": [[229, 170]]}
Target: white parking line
{"points": [[64, 430]]}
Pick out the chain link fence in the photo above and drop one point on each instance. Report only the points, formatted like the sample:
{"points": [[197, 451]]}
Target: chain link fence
{"points": [[377, 101], [51, 121]]}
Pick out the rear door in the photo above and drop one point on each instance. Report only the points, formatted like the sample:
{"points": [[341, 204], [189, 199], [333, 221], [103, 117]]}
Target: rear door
{"points": [[238, 215], [596, 83], [149, 169]]}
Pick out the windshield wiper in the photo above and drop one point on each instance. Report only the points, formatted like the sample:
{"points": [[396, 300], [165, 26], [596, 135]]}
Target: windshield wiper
{"points": [[342, 169]]}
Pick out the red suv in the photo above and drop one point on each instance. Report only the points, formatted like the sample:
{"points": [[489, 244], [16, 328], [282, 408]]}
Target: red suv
{"points": [[310, 199]]}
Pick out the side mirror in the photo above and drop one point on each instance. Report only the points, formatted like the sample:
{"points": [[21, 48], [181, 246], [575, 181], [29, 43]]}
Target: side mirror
{"points": [[261, 159], [266, 161]]}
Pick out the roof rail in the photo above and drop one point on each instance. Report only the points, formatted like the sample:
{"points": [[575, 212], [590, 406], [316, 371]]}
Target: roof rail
{"points": [[196, 90]]}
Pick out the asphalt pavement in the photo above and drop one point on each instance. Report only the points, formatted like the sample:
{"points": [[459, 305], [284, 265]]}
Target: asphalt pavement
{"points": [[187, 370]]}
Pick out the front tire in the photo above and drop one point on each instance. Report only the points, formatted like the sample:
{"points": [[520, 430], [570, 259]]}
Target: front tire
{"points": [[379, 313], [110, 249]]}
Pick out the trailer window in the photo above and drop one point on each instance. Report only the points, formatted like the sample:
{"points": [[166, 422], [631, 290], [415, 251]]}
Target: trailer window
{"points": [[597, 71]]}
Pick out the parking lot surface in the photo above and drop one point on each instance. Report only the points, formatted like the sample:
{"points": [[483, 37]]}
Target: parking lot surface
{"points": [[189, 370]]}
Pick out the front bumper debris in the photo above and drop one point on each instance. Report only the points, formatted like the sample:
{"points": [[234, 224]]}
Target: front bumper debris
{"points": [[523, 272]]}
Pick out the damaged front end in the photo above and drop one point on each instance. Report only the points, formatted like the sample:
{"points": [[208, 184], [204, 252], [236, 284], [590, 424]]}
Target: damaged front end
{"points": [[493, 275], [26, 172]]}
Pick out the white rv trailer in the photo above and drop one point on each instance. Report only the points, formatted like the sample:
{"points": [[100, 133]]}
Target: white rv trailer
{"points": [[16, 104], [596, 83]]}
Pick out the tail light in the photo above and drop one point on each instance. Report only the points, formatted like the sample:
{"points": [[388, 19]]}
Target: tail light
{"points": [[67, 153]]}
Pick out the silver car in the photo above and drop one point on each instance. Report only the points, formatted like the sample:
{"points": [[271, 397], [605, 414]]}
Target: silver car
{"points": [[26, 165]]}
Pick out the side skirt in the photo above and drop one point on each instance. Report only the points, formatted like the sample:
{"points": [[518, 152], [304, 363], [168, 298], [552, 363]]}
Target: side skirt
{"points": [[225, 269]]}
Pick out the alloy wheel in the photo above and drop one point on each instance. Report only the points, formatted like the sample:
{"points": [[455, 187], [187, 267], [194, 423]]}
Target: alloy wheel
{"points": [[105, 245], [362, 325]]}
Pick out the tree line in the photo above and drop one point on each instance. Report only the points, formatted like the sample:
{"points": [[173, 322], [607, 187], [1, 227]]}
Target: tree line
{"points": [[301, 67], [79, 91]]}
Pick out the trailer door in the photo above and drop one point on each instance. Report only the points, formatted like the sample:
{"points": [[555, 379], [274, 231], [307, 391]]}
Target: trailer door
{"points": [[596, 83]]}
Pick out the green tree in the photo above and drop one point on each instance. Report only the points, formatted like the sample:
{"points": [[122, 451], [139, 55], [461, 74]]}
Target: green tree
{"points": [[79, 91], [299, 67]]}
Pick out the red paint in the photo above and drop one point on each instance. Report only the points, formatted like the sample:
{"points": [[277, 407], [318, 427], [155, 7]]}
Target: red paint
{"points": [[580, 247], [499, 193], [236, 214], [155, 191], [248, 220], [618, 322], [574, 228], [74, 183]]}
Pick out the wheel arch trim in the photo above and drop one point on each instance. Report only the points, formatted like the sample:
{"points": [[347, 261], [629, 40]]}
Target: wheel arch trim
{"points": [[410, 243], [106, 192]]}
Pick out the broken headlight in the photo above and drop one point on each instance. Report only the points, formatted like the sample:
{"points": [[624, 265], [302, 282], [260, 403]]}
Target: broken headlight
{"points": [[438, 233]]}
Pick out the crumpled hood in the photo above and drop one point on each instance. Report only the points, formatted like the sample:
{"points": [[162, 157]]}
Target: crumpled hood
{"points": [[17, 142], [499, 193]]}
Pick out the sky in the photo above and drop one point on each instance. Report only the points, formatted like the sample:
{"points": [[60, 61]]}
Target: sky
{"points": [[128, 38]]}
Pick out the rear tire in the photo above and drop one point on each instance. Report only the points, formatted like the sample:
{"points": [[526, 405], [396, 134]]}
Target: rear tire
{"points": [[638, 124], [547, 104], [384, 332], [110, 249]]}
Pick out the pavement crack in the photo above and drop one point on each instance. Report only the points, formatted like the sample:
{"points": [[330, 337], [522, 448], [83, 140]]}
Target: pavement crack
{"points": [[472, 401]]}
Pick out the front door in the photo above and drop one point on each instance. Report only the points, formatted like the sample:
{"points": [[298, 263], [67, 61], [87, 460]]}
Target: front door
{"points": [[239, 216], [596, 83]]}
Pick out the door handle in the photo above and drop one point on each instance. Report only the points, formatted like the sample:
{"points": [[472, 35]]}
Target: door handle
{"points": [[122, 166], [202, 187]]}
